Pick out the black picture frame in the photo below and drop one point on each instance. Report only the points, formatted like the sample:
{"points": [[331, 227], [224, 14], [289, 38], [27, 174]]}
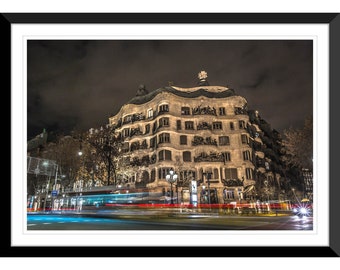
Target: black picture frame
{"points": [[332, 19]]}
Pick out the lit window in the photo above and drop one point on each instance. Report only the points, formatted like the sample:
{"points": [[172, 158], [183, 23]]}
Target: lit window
{"points": [[228, 194], [150, 113]]}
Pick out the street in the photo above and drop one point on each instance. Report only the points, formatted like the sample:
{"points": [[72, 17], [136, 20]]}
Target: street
{"points": [[114, 221]]}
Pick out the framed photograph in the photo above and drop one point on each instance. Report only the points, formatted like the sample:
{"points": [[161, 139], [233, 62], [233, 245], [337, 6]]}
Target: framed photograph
{"points": [[71, 71]]}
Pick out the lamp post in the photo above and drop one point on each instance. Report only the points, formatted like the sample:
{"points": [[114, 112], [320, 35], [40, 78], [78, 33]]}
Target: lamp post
{"points": [[54, 191], [171, 178]]}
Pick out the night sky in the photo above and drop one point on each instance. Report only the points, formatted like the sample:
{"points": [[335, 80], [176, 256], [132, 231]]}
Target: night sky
{"points": [[78, 84]]}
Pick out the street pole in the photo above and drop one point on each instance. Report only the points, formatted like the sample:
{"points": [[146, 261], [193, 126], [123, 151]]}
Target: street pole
{"points": [[171, 178], [171, 194], [46, 194], [55, 180], [55, 185], [208, 174]]}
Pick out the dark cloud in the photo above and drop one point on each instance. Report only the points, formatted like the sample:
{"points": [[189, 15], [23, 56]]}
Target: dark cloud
{"points": [[79, 83]]}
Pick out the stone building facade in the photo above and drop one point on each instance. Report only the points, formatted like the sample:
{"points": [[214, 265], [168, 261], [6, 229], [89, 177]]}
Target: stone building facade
{"points": [[203, 133]]}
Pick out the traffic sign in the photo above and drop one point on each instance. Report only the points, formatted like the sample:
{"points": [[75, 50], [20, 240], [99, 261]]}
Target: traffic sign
{"points": [[54, 192]]}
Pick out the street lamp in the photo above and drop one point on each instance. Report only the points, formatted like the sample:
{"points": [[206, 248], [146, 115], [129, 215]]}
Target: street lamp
{"points": [[171, 178]]}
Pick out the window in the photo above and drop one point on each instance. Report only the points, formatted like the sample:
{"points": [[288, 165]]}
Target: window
{"points": [[246, 155], [135, 146], [144, 144], [126, 132], [232, 126], [183, 140], [185, 111], [226, 156], [127, 119], [217, 125], [230, 173], [153, 142], [187, 175], [164, 138], [223, 140], [187, 156], [179, 125], [189, 125], [164, 122], [244, 139], [221, 110], [147, 128], [228, 194], [241, 124], [162, 172], [240, 193], [215, 174], [163, 108], [153, 175], [249, 173], [125, 147], [150, 113], [154, 128], [164, 155]]}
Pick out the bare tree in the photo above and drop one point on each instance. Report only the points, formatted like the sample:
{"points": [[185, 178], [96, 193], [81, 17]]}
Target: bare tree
{"points": [[185, 173], [298, 145], [107, 146], [65, 153]]}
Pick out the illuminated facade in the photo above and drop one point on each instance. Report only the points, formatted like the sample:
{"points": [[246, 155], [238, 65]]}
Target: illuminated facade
{"points": [[205, 133]]}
